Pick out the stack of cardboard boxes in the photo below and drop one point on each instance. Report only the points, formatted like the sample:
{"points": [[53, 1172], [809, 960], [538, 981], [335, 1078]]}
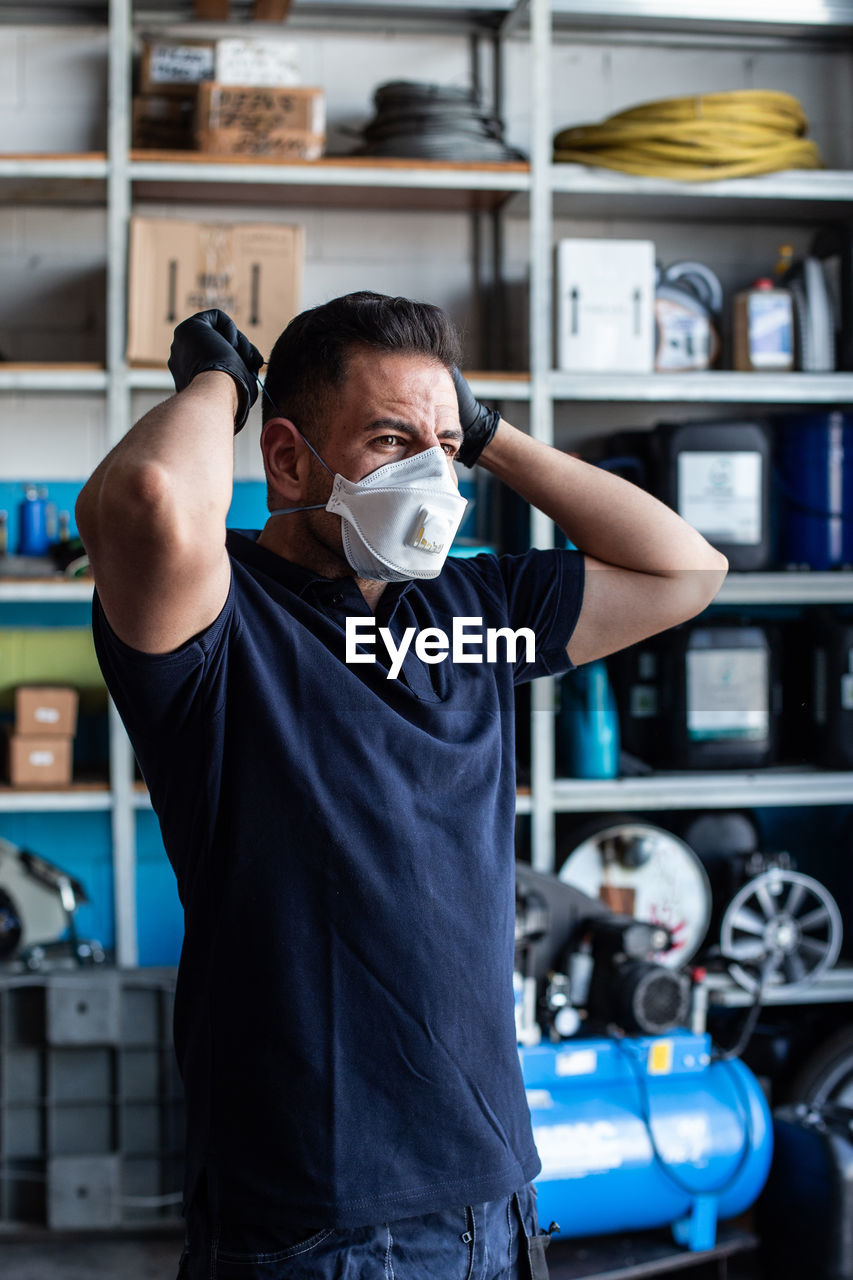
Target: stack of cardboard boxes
{"points": [[227, 97], [40, 746]]}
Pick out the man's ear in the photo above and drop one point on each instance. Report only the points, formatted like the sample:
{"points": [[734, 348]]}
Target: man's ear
{"points": [[285, 458]]}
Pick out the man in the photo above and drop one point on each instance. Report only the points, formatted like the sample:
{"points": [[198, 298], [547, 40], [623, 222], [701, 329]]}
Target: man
{"points": [[336, 787]]}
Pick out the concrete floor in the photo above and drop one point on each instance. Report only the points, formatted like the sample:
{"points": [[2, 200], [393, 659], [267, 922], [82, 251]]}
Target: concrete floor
{"points": [[94, 1259]]}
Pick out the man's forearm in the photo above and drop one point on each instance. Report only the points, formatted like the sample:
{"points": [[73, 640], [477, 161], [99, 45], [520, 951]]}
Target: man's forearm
{"points": [[605, 516]]}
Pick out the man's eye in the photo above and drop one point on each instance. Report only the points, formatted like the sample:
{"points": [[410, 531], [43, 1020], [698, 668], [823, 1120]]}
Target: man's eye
{"points": [[450, 447]]}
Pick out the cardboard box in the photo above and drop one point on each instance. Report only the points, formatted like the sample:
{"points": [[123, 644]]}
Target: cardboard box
{"points": [[39, 762], [253, 271], [276, 144], [175, 67], [605, 306], [257, 120], [45, 710], [163, 123], [256, 62]]}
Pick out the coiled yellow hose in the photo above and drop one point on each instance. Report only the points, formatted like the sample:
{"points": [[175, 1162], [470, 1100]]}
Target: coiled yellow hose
{"points": [[698, 139]]}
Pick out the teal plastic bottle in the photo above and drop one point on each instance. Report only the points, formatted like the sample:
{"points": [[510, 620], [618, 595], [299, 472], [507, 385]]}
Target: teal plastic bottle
{"points": [[588, 724]]}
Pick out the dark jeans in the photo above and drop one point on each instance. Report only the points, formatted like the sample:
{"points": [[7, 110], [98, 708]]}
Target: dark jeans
{"points": [[480, 1242]]}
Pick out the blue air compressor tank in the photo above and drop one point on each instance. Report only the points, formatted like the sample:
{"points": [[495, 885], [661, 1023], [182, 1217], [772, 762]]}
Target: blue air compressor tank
{"points": [[642, 1133]]}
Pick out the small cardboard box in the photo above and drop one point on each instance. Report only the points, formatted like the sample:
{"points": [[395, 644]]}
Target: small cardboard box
{"points": [[45, 711], [252, 271], [251, 116], [163, 123], [175, 67], [39, 762], [605, 306]]}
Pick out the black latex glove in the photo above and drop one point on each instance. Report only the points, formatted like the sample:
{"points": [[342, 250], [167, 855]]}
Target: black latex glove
{"points": [[478, 423], [211, 340]]}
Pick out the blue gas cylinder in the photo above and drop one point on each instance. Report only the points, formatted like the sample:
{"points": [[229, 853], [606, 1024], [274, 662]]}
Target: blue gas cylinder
{"points": [[33, 532], [647, 1132]]}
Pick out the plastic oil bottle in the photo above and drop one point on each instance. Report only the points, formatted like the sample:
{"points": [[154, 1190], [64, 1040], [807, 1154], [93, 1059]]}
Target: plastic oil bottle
{"points": [[764, 324]]}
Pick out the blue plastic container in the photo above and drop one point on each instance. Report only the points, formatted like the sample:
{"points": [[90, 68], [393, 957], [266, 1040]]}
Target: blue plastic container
{"points": [[33, 531], [643, 1133], [814, 490], [588, 724]]}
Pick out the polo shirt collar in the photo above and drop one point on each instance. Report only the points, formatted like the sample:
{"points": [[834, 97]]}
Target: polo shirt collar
{"points": [[242, 544]]}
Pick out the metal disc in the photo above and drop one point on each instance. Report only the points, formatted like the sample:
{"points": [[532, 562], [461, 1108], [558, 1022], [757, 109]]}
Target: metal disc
{"points": [[782, 929]]}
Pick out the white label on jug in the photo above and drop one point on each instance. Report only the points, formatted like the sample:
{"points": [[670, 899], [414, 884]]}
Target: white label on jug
{"points": [[727, 695], [720, 495]]}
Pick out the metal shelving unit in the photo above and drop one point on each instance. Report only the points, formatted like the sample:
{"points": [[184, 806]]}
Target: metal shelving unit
{"points": [[779, 788], [706, 388], [95, 798], [833, 987], [577, 192], [488, 386]]}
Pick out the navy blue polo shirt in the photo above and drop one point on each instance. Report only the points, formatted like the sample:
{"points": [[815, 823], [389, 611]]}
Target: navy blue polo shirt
{"points": [[343, 845]]}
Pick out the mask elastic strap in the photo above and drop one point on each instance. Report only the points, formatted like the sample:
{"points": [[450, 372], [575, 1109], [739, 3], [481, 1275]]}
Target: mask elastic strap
{"points": [[317, 506]]}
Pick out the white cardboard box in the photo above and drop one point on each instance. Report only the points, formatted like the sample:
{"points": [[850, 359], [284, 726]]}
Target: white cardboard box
{"points": [[605, 306], [257, 62]]}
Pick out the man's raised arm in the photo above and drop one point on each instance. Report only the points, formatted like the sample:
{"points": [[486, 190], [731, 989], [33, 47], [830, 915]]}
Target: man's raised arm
{"points": [[647, 569], [152, 515]]}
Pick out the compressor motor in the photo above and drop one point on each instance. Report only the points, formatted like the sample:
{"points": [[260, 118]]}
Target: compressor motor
{"points": [[588, 965]]}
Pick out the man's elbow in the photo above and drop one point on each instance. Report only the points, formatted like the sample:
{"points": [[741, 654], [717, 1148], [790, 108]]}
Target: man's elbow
{"points": [[700, 586], [122, 502]]}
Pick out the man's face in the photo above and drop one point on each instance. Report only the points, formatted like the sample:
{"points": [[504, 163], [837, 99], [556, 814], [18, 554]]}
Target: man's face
{"points": [[390, 407]]}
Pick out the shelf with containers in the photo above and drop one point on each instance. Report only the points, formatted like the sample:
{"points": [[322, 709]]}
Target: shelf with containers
{"points": [[802, 809], [594, 57]]}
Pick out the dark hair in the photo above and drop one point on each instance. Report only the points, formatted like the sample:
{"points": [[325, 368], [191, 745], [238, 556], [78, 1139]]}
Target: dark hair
{"points": [[308, 363]]}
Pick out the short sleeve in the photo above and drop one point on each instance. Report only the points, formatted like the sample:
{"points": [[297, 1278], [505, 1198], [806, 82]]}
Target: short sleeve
{"points": [[541, 591], [171, 705]]}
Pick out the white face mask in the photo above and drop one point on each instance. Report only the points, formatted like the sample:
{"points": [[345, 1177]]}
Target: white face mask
{"points": [[399, 521]]}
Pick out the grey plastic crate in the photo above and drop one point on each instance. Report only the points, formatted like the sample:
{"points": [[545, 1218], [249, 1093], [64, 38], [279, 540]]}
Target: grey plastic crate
{"points": [[91, 1104], [22, 1014], [23, 1191], [22, 1075], [83, 1010], [83, 1191]]}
